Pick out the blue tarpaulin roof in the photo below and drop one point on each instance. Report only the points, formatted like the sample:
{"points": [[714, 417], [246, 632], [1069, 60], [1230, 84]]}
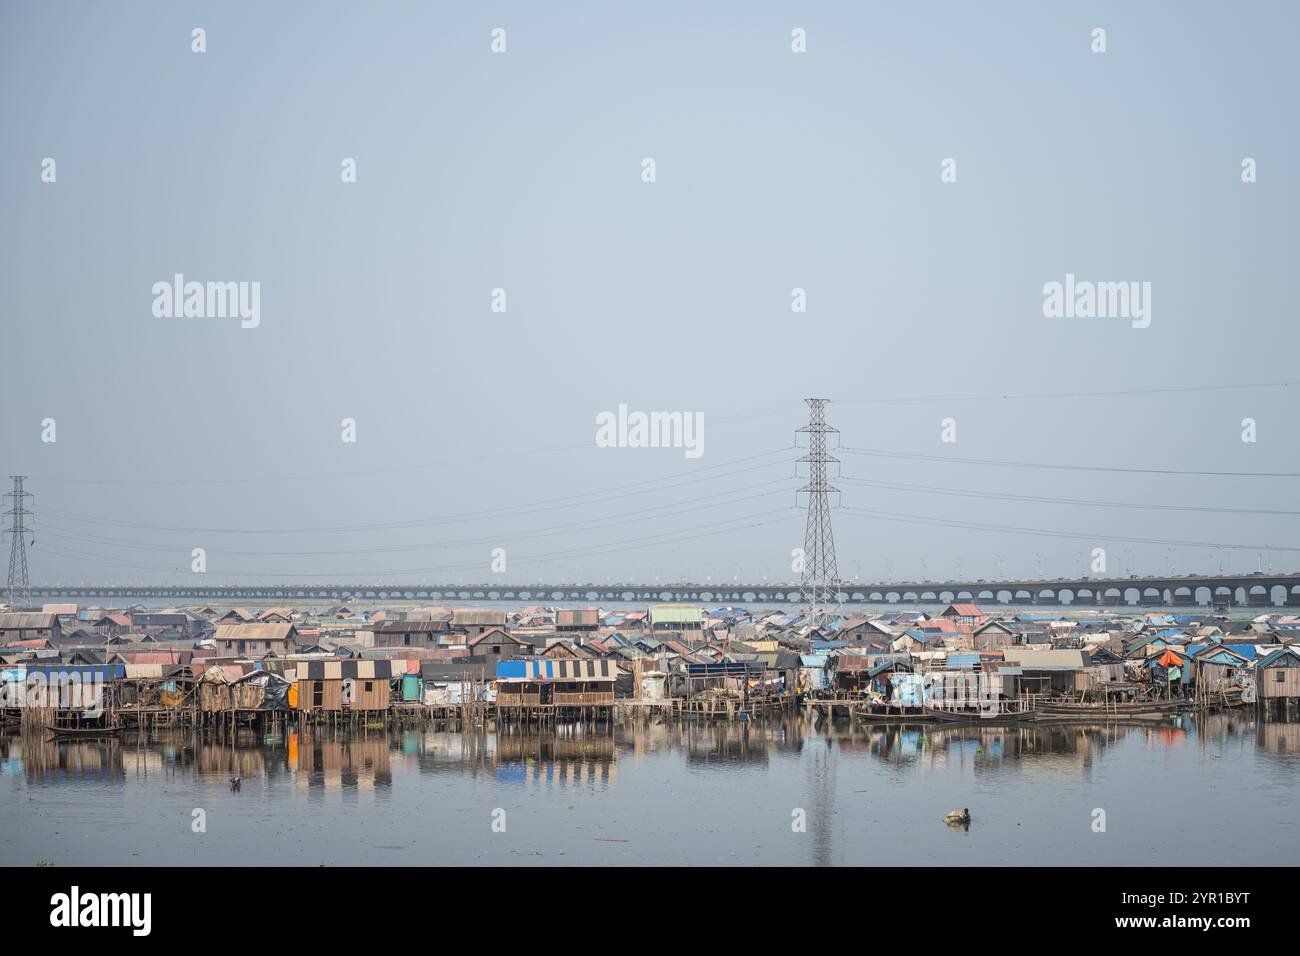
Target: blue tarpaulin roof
{"points": [[512, 668]]}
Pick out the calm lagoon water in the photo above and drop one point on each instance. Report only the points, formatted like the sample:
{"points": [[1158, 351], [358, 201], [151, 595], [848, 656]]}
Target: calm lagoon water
{"points": [[1217, 793]]}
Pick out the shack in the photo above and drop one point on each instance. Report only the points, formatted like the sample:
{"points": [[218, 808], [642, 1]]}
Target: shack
{"points": [[29, 626], [474, 621], [497, 642], [156, 693], [1277, 681], [1031, 671], [677, 619], [812, 673], [455, 681], [225, 693], [410, 633], [848, 673], [344, 686], [258, 640], [719, 688], [1218, 670], [1104, 666], [558, 684], [880, 677], [1168, 672], [582, 621], [70, 688]]}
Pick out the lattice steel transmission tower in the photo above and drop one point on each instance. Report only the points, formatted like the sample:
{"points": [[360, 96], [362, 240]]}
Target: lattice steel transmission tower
{"points": [[20, 591], [819, 584]]}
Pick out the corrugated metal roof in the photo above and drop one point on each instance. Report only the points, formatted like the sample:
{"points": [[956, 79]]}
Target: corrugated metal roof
{"points": [[151, 657], [477, 617], [144, 670], [1282, 657], [675, 614], [558, 669], [1044, 660], [26, 620], [584, 617], [363, 669], [427, 626], [253, 632]]}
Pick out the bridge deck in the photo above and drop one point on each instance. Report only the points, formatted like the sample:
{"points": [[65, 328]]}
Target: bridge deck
{"points": [[1253, 590]]}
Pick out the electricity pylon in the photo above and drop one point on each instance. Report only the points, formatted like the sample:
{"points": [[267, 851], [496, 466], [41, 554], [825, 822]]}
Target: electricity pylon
{"points": [[819, 583], [20, 592]]}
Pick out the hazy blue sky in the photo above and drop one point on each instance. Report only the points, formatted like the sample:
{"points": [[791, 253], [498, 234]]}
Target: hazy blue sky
{"points": [[522, 170]]}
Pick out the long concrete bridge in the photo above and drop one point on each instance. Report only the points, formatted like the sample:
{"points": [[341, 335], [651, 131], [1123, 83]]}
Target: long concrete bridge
{"points": [[1249, 590]]}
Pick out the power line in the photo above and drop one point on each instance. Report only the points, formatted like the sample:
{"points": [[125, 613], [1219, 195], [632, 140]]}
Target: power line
{"points": [[629, 544], [371, 472], [505, 537], [895, 400], [583, 499], [1007, 496], [1053, 466], [1091, 536]]}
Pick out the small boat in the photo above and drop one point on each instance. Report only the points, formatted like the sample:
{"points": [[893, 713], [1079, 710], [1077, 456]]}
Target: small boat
{"points": [[1135, 710], [891, 714], [68, 730], [1008, 712]]}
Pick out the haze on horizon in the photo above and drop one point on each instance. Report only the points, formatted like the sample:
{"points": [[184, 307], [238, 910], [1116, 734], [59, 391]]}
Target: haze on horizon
{"points": [[522, 171]]}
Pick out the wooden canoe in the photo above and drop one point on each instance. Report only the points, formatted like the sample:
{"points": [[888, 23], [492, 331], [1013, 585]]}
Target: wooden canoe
{"points": [[1155, 708], [975, 717], [83, 731]]}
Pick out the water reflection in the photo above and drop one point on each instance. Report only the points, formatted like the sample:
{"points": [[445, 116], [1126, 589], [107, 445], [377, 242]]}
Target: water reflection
{"points": [[328, 758], [866, 790], [1280, 739], [47, 761], [327, 763]]}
